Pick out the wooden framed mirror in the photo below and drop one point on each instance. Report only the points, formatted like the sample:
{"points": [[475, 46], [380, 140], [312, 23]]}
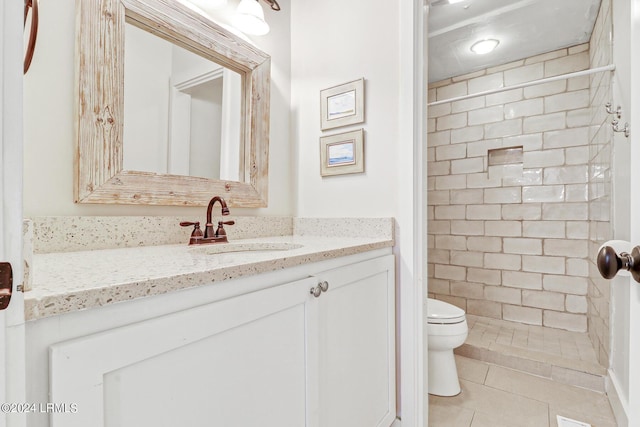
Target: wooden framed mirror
{"points": [[100, 69]]}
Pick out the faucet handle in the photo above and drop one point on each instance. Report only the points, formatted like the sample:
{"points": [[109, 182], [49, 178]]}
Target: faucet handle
{"points": [[189, 224], [196, 234], [220, 231]]}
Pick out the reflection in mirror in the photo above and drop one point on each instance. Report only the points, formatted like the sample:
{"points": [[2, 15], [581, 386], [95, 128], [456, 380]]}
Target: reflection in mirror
{"points": [[182, 111]]}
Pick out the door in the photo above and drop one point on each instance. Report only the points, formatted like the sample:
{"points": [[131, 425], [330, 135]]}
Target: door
{"points": [[11, 319], [634, 141]]}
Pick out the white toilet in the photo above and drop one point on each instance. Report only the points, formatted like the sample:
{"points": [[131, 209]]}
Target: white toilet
{"points": [[447, 329]]}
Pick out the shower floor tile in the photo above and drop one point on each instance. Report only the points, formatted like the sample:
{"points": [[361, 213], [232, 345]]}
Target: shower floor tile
{"points": [[553, 353], [499, 397], [571, 345]]}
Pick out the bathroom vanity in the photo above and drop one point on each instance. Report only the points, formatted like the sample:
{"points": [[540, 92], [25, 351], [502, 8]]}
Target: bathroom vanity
{"points": [[290, 324], [288, 330]]}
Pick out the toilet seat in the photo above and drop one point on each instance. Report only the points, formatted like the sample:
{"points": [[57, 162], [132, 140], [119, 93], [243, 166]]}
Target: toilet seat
{"points": [[443, 313]]}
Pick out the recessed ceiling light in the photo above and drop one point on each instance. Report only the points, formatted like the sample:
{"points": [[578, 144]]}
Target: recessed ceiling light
{"points": [[484, 46]]}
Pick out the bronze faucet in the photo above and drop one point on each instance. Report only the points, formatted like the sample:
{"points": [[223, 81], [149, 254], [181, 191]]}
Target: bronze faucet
{"points": [[210, 236]]}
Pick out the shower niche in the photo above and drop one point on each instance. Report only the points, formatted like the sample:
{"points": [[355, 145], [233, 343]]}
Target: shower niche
{"points": [[505, 162]]}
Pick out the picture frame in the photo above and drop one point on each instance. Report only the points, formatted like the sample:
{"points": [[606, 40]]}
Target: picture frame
{"points": [[342, 153], [342, 105]]}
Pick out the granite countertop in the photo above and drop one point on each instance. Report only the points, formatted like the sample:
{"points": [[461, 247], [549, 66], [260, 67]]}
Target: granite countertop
{"points": [[68, 281]]}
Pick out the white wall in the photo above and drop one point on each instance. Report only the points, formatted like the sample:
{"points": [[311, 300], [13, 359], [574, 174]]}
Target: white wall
{"points": [[49, 121], [334, 42]]}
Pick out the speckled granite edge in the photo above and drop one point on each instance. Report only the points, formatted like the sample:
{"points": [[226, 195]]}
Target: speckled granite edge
{"points": [[39, 304], [344, 227], [82, 233]]}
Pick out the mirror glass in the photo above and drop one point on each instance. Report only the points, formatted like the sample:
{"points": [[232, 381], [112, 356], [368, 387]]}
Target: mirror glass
{"points": [[181, 111], [172, 108]]}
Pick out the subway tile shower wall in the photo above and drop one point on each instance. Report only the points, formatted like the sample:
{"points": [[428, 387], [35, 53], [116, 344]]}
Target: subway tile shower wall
{"points": [[517, 247]]}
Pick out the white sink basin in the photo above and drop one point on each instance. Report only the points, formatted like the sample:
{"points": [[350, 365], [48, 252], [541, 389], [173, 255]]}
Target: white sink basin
{"points": [[223, 248]]}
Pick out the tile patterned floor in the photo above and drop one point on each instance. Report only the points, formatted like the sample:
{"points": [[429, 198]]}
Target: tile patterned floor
{"points": [[494, 396]]}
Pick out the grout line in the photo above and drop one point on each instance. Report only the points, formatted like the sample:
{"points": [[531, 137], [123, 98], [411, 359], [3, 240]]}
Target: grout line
{"points": [[475, 411]]}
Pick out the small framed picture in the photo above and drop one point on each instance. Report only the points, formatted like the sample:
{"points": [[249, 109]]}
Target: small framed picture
{"points": [[342, 105], [342, 153]]}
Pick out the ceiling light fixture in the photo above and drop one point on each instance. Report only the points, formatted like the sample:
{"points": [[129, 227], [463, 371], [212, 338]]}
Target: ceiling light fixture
{"points": [[249, 17], [485, 46], [454, 1]]}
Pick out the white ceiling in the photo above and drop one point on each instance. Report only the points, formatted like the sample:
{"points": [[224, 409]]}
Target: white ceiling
{"points": [[524, 27]]}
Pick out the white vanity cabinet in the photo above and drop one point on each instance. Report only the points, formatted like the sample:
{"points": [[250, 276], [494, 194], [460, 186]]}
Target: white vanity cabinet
{"points": [[275, 356], [236, 362], [353, 333]]}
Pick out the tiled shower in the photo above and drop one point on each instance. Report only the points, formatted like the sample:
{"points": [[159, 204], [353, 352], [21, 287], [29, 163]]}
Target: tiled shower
{"points": [[519, 191]]}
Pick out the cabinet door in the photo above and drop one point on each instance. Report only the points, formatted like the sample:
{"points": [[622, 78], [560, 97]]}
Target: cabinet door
{"points": [[354, 331], [237, 362]]}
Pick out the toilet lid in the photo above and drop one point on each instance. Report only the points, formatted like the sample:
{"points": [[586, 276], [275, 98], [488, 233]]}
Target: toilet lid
{"points": [[443, 312]]}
